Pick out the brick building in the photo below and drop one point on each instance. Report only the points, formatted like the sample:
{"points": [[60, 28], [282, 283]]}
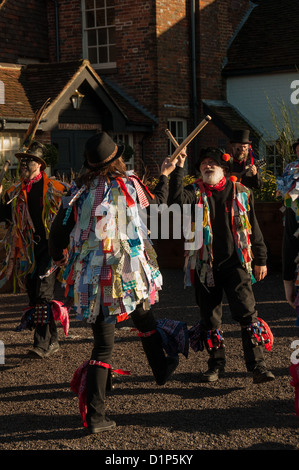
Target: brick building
{"points": [[140, 66]]}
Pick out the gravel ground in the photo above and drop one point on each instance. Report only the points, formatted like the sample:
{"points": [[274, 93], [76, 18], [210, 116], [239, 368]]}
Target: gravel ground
{"points": [[40, 412]]}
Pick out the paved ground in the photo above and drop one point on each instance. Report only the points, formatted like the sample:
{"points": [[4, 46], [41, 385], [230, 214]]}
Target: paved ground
{"points": [[40, 412]]}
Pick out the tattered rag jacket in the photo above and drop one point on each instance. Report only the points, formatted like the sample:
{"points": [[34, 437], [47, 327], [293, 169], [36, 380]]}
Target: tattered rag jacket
{"points": [[229, 231], [19, 240]]}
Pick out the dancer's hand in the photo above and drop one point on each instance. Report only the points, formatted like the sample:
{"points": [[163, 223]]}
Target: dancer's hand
{"points": [[260, 272], [180, 161], [168, 166]]}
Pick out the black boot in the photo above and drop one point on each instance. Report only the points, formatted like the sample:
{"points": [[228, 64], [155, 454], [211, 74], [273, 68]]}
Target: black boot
{"points": [[95, 399], [161, 365], [254, 356], [214, 343]]}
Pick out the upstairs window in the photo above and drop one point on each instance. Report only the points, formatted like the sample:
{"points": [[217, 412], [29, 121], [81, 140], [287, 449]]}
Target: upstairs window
{"points": [[99, 33]]}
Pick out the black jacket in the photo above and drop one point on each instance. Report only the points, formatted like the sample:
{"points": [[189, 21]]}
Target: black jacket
{"points": [[220, 214]]}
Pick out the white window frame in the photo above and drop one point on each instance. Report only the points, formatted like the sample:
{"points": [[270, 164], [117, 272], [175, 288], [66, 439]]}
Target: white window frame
{"points": [[178, 128], [126, 139], [10, 143], [107, 6]]}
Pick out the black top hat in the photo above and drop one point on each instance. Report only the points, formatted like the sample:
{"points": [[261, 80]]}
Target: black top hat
{"points": [[295, 145], [240, 136], [223, 159], [36, 151], [100, 151]]}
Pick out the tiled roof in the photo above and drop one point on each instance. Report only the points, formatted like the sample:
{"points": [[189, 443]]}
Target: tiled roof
{"points": [[228, 118], [28, 87], [16, 102], [268, 40]]}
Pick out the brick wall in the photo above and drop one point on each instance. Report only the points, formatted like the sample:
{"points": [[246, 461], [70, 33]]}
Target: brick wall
{"points": [[218, 20], [23, 31], [69, 28]]}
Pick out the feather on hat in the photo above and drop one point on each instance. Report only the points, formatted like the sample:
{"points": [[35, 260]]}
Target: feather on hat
{"points": [[31, 148]]}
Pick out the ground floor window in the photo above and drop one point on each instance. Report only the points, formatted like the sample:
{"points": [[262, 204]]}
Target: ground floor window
{"points": [[127, 141], [277, 160], [9, 145], [178, 128]]}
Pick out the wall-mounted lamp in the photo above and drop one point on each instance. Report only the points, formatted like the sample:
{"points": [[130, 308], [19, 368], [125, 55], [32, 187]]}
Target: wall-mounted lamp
{"points": [[77, 99]]}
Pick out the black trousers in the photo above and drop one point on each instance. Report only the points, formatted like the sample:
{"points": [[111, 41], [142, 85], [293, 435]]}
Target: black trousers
{"points": [[103, 346], [41, 292], [237, 285]]}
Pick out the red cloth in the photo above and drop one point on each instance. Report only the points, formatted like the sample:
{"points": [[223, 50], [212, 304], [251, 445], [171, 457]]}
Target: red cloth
{"points": [[29, 183], [208, 188], [78, 383], [266, 334], [60, 312]]}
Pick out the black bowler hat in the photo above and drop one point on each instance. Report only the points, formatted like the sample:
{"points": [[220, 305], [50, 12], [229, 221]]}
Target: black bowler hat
{"points": [[295, 145], [35, 151], [223, 159], [240, 136], [100, 151]]}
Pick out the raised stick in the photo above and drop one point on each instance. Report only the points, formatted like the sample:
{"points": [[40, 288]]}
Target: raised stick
{"points": [[170, 136], [190, 137]]}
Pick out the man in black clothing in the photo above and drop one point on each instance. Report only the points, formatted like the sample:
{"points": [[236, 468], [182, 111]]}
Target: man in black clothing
{"points": [[287, 185], [28, 208], [223, 263], [244, 166]]}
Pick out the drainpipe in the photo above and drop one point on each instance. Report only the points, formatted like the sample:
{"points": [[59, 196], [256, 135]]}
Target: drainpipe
{"points": [[193, 69], [57, 30]]}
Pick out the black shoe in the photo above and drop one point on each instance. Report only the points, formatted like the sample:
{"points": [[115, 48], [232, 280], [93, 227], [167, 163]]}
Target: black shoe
{"points": [[172, 363], [104, 425], [212, 374], [36, 353], [53, 348], [262, 375]]}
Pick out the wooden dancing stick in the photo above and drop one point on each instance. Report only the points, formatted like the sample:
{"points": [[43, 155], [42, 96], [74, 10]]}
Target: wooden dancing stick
{"points": [[170, 136], [190, 137]]}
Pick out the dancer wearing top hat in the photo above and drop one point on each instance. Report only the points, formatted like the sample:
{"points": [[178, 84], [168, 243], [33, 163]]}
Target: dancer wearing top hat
{"points": [[244, 165], [112, 271], [28, 207], [228, 235]]}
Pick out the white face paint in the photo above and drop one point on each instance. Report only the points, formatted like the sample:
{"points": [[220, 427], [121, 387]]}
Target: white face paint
{"points": [[211, 171]]}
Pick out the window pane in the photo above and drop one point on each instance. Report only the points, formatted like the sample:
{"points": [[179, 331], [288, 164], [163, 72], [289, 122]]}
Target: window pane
{"points": [[92, 37], [103, 55], [100, 3], [100, 18], [110, 3], [102, 37], [92, 55], [90, 19], [111, 35], [112, 54], [6, 143], [89, 4], [180, 129], [110, 16]]}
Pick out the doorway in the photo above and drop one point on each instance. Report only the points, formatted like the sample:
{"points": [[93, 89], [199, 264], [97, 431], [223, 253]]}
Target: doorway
{"points": [[70, 146]]}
